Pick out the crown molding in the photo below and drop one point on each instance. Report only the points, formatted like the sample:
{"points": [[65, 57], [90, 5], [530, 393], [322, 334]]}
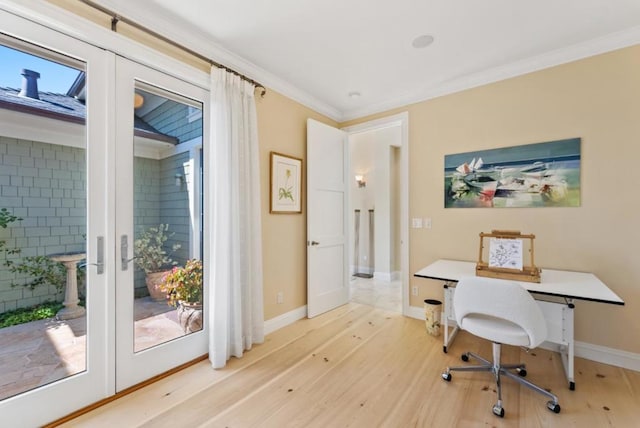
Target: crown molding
{"points": [[600, 45], [202, 43]]}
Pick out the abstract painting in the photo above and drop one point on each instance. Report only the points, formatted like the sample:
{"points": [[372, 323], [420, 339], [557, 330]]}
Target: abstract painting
{"points": [[532, 175]]}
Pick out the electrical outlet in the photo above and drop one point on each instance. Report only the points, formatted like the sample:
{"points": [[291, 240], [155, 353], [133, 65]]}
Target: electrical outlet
{"points": [[414, 290], [280, 297]]}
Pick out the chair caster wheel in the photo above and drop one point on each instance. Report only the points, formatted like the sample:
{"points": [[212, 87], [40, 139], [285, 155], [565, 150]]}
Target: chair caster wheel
{"points": [[446, 376], [554, 407], [498, 411], [464, 357], [522, 372]]}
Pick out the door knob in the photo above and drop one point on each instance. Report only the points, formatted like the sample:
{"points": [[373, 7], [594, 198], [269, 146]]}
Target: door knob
{"points": [[315, 243]]}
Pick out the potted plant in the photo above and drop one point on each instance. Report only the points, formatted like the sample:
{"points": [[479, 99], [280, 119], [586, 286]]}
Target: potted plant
{"points": [[183, 288], [153, 259]]}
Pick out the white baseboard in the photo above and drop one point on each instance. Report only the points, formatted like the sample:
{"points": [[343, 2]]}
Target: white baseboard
{"points": [[360, 269], [382, 276], [612, 356], [416, 312], [285, 319], [588, 351], [602, 354]]}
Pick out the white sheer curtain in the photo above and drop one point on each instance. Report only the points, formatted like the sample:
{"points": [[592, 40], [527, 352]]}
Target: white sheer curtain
{"points": [[235, 289]]}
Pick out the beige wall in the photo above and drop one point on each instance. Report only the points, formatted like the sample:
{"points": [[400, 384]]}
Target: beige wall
{"points": [[282, 128], [596, 99]]}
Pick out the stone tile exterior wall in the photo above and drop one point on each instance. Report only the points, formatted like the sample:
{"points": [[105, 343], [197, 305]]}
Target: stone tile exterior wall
{"points": [[44, 184], [159, 201], [174, 204]]}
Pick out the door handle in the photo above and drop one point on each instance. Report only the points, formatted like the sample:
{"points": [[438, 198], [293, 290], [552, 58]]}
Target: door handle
{"points": [[99, 256], [313, 243], [124, 253]]}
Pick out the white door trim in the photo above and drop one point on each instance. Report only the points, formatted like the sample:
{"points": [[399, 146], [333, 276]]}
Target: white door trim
{"points": [[402, 120]]}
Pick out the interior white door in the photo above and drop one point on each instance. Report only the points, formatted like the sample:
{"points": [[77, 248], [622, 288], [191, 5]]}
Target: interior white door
{"points": [[160, 128], [327, 261], [51, 367]]}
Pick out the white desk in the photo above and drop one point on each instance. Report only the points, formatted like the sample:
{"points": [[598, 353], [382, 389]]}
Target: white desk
{"points": [[560, 287]]}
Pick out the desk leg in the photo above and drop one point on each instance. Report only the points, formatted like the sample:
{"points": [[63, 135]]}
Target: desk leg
{"points": [[559, 317], [567, 351], [448, 300], [448, 338]]}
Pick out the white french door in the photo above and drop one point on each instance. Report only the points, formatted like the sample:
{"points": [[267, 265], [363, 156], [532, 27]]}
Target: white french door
{"points": [[53, 169], [159, 133], [86, 169]]}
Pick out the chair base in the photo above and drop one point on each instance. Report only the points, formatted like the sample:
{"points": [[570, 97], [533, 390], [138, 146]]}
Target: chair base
{"points": [[498, 371]]}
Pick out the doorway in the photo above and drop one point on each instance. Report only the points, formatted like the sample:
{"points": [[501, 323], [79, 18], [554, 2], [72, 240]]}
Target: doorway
{"points": [[377, 213]]}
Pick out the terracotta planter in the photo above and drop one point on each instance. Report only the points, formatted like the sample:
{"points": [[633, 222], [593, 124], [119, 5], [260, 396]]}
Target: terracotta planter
{"points": [[153, 281], [190, 316]]}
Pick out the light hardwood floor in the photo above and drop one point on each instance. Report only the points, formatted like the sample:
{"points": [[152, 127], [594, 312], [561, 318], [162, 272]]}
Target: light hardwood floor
{"points": [[359, 366]]}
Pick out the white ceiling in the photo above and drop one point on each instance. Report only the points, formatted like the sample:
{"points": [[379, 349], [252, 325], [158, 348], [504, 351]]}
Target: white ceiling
{"points": [[318, 51]]}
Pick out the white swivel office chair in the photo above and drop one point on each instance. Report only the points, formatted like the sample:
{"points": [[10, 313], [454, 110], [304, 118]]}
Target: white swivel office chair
{"points": [[504, 313]]}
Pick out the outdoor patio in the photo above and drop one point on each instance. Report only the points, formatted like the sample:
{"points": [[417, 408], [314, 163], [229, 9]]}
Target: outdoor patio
{"points": [[39, 352]]}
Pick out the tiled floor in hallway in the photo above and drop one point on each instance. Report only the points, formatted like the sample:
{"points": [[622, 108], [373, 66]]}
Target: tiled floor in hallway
{"points": [[380, 294]]}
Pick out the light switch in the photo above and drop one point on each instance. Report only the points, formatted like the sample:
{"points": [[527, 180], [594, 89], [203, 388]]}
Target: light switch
{"points": [[427, 223], [416, 223]]}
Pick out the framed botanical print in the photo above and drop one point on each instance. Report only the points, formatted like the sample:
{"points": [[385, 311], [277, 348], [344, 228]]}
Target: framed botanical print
{"points": [[286, 184]]}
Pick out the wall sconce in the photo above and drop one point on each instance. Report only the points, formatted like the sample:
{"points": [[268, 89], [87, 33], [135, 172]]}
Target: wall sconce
{"points": [[360, 181]]}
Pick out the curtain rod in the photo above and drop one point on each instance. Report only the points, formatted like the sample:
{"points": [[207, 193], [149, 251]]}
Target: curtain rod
{"points": [[115, 18]]}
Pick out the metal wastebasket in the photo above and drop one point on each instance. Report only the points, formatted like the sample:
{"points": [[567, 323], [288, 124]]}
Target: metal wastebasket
{"points": [[432, 309]]}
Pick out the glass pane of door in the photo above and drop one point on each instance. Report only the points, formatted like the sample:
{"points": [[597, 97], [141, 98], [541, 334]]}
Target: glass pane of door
{"points": [[167, 217], [43, 218]]}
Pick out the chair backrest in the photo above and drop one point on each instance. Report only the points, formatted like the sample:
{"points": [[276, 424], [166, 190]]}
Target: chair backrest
{"points": [[500, 299]]}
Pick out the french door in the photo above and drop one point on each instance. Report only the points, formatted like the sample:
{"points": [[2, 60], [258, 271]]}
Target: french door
{"points": [[158, 205], [101, 181], [54, 182]]}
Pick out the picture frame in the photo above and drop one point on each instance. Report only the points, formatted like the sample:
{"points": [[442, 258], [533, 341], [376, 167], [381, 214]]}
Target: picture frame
{"points": [[522, 272], [285, 184]]}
